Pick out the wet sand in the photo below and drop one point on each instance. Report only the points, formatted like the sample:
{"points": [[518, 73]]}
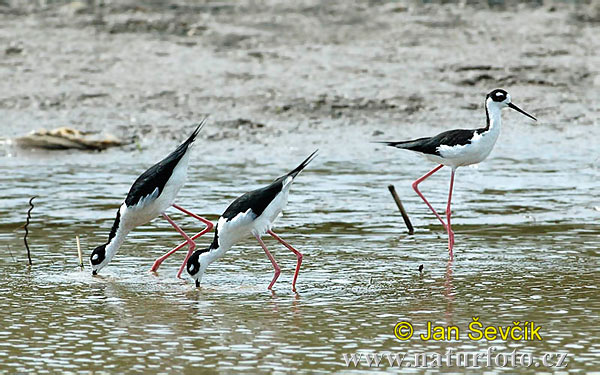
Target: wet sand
{"points": [[264, 70]]}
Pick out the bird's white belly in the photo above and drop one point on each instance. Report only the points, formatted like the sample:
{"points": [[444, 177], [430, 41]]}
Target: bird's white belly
{"points": [[472, 153], [245, 225], [264, 222]]}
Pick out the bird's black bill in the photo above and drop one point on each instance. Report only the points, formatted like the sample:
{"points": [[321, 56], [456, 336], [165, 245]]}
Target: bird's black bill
{"points": [[94, 272], [197, 284], [520, 110]]}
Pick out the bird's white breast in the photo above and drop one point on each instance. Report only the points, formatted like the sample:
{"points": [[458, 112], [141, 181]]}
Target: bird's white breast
{"points": [[234, 230]]}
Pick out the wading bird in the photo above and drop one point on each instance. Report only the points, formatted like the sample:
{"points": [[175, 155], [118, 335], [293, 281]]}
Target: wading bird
{"points": [[460, 147], [251, 214], [149, 197]]}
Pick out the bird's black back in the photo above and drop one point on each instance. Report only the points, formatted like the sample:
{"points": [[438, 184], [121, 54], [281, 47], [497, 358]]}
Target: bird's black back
{"points": [[258, 200], [158, 175], [429, 145]]}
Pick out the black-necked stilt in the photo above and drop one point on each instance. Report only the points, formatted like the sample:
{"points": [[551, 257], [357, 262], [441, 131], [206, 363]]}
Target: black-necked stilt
{"points": [[252, 213], [460, 147], [149, 197]]}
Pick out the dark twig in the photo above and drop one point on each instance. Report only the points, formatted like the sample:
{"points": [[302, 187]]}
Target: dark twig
{"points": [[392, 189], [27, 231]]}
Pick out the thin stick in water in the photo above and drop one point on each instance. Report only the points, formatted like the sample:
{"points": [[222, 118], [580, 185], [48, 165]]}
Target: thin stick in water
{"points": [[11, 254], [79, 252], [392, 189], [27, 230]]}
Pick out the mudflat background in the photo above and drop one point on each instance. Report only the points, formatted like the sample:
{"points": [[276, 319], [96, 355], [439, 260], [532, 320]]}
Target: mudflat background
{"points": [[270, 68]]}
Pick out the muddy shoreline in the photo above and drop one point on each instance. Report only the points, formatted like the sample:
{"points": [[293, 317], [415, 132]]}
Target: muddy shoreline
{"points": [[146, 69]]}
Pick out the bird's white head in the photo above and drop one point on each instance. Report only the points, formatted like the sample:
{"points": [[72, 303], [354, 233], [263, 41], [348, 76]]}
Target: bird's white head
{"points": [[498, 99], [197, 264]]}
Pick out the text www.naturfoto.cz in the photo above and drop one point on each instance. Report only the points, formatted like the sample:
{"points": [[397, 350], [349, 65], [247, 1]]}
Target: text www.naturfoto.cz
{"points": [[453, 358]]}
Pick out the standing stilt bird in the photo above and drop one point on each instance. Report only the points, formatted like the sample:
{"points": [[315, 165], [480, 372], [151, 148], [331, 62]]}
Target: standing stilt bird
{"points": [[252, 213], [460, 147], [149, 197]]}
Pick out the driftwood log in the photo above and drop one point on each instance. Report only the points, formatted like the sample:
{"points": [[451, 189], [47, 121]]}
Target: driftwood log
{"points": [[67, 138]]}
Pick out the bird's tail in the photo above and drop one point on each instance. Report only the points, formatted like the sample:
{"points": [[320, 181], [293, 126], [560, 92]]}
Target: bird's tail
{"points": [[303, 165], [195, 133], [408, 145]]}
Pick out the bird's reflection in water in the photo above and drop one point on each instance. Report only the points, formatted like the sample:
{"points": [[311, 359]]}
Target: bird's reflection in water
{"points": [[449, 292], [277, 299]]}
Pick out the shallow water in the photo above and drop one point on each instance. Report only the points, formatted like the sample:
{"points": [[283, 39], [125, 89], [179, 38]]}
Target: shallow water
{"points": [[527, 240]]}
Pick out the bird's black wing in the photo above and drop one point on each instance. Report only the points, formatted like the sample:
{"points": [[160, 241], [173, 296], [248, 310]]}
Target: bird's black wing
{"points": [[429, 145], [256, 200], [158, 175], [259, 199]]}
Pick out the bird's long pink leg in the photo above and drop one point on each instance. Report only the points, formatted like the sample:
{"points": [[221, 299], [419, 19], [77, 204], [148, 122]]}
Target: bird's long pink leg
{"points": [[208, 223], [298, 256], [273, 262], [190, 242], [415, 186], [209, 227], [448, 214], [161, 259]]}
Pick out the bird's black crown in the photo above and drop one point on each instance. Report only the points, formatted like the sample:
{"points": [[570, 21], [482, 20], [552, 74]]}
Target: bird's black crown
{"points": [[193, 264], [497, 95], [98, 255]]}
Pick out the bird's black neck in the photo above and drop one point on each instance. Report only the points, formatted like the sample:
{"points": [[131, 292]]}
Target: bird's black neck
{"points": [[215, 243], [487, 116], [115, 227]]}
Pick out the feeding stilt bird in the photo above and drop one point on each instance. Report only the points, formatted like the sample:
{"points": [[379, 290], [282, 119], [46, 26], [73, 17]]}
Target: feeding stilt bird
{"points": [[460, 147], [149, 197], [252, 213]]}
